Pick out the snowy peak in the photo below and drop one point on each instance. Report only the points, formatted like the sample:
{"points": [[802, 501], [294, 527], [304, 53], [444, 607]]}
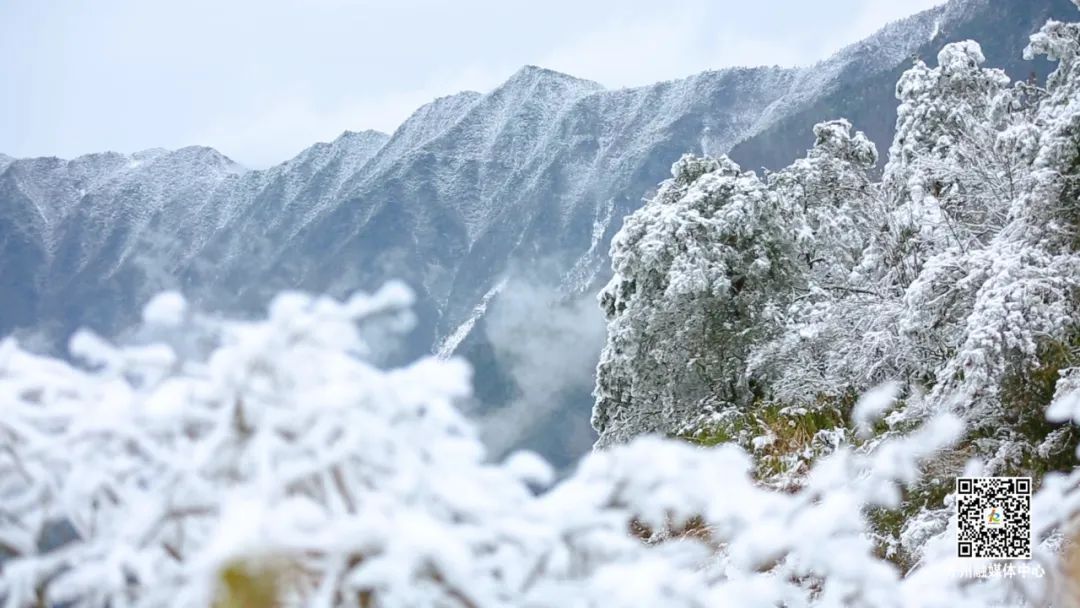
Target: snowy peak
{"points": [[52, 186], [355, 144], [425, 124], [365, 137], [352, 148], [858, 82], [148, 155], [542, 86], [432, 119], [531, 75], [359, 143], [504, 125], [892, 46], [199, 157]]}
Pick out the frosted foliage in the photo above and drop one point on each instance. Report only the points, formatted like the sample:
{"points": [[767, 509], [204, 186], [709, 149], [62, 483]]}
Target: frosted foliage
{"points": [[834, 203], [1066, 404], [279, 461], [165, 309], [949, 182], [960, 56], [873, 404], [708, 268], [955, 280], [692, 265], [1025, 282], [828, 197], [981, 279]]}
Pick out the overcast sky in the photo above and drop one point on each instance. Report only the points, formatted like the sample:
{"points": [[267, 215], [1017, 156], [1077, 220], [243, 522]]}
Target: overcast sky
{"points": [[262, 79]]}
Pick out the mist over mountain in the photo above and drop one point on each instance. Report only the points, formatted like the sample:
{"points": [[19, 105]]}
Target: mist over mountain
{"points": [[540, 170]]}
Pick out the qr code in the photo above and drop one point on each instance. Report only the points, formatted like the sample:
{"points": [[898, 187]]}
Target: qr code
{"points": [[993, 517]]}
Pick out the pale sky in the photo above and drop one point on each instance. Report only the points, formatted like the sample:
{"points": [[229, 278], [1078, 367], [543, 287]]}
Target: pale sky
{"points": [[262, 79]]}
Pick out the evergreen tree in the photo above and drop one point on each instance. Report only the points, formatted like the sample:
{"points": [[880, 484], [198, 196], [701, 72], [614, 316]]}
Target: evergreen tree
{"points": [[701, 273]]}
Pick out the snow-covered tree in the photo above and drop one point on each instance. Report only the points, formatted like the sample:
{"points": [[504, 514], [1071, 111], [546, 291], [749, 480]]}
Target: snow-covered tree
{"points": [[948, 182], [831, 195], [269, 463], [947, 188], [957, 276], [701, 273], [1026, 280], [718, 264], [832, 202]]}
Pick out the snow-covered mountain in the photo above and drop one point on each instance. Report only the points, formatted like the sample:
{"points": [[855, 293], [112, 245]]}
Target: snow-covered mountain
{"points": [[540, 170], [858, 83]]}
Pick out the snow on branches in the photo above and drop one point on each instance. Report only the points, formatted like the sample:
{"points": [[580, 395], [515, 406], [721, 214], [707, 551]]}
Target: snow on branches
{"points": [[756, 311], [270, 463]]}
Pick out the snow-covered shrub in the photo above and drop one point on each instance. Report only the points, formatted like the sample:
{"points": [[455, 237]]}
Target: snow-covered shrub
{"points": [[268, 463]]}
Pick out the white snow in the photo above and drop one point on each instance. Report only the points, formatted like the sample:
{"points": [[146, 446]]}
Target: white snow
{"points": [[450, 343], [291, 454], [873, 405], [166, 309]]}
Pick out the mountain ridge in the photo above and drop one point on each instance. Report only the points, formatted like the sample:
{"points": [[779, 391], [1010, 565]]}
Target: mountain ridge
{"points": [[535, 124], [538, 172]]}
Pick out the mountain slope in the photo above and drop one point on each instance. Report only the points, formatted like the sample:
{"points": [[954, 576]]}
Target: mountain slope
{"points": [[537, 173], [862, 77]]}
